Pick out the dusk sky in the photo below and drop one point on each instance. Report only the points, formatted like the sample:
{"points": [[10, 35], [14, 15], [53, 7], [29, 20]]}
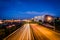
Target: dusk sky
{"points": [[20, 9]]}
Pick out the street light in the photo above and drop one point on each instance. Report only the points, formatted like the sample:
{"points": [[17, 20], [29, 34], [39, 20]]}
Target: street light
{"points": [[49, 18], [1, 22]]}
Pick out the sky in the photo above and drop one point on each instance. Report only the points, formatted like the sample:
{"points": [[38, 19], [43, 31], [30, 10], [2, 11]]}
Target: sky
{"points": [[21, 9]]}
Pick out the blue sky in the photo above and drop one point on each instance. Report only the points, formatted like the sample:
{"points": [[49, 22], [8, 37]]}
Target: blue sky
{"points": [[15, 9]]}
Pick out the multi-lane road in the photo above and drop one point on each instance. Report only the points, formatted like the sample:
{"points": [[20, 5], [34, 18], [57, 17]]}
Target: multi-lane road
{"points": [[33, 32]]}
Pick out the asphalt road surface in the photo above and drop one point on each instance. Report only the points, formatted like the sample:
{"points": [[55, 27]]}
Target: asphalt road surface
{"points": [[33, 32]]}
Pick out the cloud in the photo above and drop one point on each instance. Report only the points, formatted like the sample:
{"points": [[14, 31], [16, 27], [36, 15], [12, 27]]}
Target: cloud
{"points": [[47, 13], [32, 12], [38, 13]]}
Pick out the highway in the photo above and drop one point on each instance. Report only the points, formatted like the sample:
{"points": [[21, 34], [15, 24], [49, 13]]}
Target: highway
{"points": [[33, 32]]}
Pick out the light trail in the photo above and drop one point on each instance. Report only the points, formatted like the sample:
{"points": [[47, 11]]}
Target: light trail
{"points": [[44, 33], [33, 32], [23, 33]]}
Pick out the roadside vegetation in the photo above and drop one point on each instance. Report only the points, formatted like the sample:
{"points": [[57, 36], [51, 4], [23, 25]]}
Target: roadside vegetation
{"points": [[7, 28]]}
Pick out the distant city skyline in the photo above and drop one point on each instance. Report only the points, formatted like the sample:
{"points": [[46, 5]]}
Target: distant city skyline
{"points": [[21, 9]]}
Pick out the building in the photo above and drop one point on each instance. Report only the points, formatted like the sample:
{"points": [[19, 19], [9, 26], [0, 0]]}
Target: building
{"points": [[44, 18], [37, 18]]}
